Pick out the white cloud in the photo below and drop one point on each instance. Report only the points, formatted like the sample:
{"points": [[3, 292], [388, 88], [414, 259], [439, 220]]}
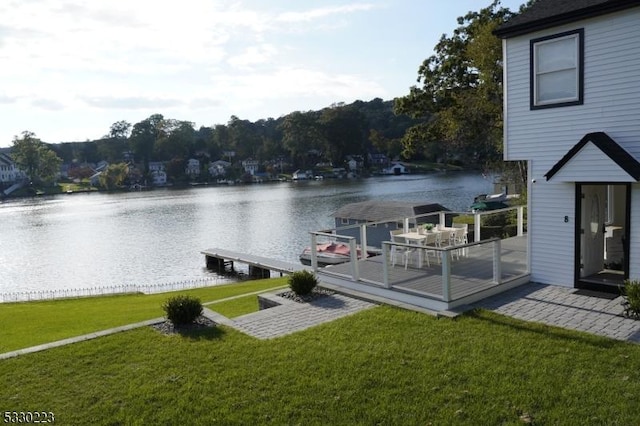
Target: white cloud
{"points": [[290, 82], [48, 104], [310, 15], [131, 102], [253, 55], [195, 56], [6, 99]]}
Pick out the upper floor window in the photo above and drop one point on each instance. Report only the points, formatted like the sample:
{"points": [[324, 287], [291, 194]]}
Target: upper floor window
{"points": [[557, 70]]}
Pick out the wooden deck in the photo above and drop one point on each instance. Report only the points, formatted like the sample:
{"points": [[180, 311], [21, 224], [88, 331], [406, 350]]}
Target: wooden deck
{"points": [[470, 274]]}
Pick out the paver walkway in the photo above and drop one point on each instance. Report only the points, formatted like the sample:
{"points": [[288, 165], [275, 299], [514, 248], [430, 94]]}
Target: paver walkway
{"points": [[560, 306], [291, 316]]}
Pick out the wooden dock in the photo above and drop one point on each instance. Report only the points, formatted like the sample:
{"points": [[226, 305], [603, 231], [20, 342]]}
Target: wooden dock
{"points": [[219, 259]]}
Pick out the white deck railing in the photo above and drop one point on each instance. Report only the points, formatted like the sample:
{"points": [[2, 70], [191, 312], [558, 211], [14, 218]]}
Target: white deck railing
{"points": [[485, 255]]}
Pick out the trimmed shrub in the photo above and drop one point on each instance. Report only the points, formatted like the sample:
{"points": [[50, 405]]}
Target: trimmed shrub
{"points": [[631, 294], [182, 310], [302, 282]]}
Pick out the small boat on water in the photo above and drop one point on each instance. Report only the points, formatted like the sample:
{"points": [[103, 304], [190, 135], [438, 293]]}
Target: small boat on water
{"points": [[486, 202], [328, 254]]}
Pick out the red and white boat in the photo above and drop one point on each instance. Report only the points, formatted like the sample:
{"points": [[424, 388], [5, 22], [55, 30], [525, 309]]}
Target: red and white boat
{"points": [[328, 254]]}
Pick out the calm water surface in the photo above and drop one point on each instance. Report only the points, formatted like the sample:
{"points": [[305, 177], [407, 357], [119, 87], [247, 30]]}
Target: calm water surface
{"points": [[98, 240]]}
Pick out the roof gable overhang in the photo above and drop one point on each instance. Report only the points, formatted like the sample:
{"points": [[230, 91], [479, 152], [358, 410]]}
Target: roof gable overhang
{"points": [[596, 158], [544, 14]]}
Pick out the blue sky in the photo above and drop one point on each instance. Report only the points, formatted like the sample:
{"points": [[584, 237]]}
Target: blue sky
{"points": [[71, 68]]}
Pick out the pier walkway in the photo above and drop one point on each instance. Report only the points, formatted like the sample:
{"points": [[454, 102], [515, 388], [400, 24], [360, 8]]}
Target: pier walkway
{"points": [[259, 266]]}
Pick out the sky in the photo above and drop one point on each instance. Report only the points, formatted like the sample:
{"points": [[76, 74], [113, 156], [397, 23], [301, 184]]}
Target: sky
{"points": [[72, 68]]}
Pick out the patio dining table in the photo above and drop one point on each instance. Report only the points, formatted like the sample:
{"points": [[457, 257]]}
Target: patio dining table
{"points": [[418, 239]]}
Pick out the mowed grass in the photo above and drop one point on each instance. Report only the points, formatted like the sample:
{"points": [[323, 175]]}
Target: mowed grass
{"points": [[34, 323], [381, 366]]}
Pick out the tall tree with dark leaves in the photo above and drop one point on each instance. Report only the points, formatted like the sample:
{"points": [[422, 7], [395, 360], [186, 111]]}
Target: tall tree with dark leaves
{"points": [[459, 101], [346, 132], [144, 136], [301, 133]]}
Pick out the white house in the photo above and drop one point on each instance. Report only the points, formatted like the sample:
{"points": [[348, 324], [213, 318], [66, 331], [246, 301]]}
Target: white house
{"points": [[218, 168], [158, 173], [396, 168], [572, 111], [251, 166], [193, 168], [9, 171]]}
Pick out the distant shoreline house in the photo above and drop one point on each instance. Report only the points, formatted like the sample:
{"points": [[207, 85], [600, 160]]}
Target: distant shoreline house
{"points": [[10, 173], [158, 173], [193, 168], [251, 166], [218, 168], [572, 109], [396, 168]]}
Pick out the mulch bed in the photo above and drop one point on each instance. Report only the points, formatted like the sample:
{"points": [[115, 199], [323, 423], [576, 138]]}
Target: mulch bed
{"points": [[315, 294], [200, 323]]}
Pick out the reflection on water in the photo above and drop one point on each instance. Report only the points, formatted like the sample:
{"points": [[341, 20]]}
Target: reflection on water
{"points": [[99, 240]]}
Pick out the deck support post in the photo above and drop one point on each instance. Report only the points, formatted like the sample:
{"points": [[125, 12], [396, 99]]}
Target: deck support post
{"points": [[259, 272], [353, 253], [215, 263], [477, 219], [446, 275], [497, 263], [385, 264], [363, 241], [442, 219], [520, 221], [314, 252]]}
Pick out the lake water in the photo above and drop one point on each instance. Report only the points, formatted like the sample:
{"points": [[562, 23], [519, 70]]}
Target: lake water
{"points": [[102, 240]]}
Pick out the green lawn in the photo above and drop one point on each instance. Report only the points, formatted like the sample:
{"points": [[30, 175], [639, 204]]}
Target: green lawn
{"points": [[34, 323], [381, 366]]}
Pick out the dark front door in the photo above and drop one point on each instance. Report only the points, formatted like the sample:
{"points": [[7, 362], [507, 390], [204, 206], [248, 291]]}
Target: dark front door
{"points": [[602, 236]]}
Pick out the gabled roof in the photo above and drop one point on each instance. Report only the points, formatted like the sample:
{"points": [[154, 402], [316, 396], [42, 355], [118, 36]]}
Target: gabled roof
{"points": [[550, 13], [606, 145], [379, 211]]}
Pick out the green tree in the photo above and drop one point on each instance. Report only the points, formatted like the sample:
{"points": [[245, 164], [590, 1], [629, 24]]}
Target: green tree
{"points": [[346, 132], [389, 147], [144, 136], [301, 132], [460, 100], [243, 137], [176, 140], [38, 161], [114, 176], [120, 130]]}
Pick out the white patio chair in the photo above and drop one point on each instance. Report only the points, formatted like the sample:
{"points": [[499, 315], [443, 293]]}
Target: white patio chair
{"points": [[404, 251], [460, 238], [447, 240], [394, 249], [430, 243]]}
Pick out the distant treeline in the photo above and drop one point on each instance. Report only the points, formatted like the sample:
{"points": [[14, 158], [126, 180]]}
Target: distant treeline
{"points": [[300, 138]]}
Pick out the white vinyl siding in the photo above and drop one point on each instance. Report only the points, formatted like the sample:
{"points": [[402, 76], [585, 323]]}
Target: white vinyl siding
{"points": [[552, 239], [590, 164], [544, 136], [611, 91]]}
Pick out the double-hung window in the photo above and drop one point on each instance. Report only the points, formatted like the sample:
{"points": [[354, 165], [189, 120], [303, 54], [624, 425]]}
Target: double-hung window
{"points": [[557, 70]]}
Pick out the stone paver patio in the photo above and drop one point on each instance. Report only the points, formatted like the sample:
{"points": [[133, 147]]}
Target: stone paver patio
{"points": [[560, 306]]}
